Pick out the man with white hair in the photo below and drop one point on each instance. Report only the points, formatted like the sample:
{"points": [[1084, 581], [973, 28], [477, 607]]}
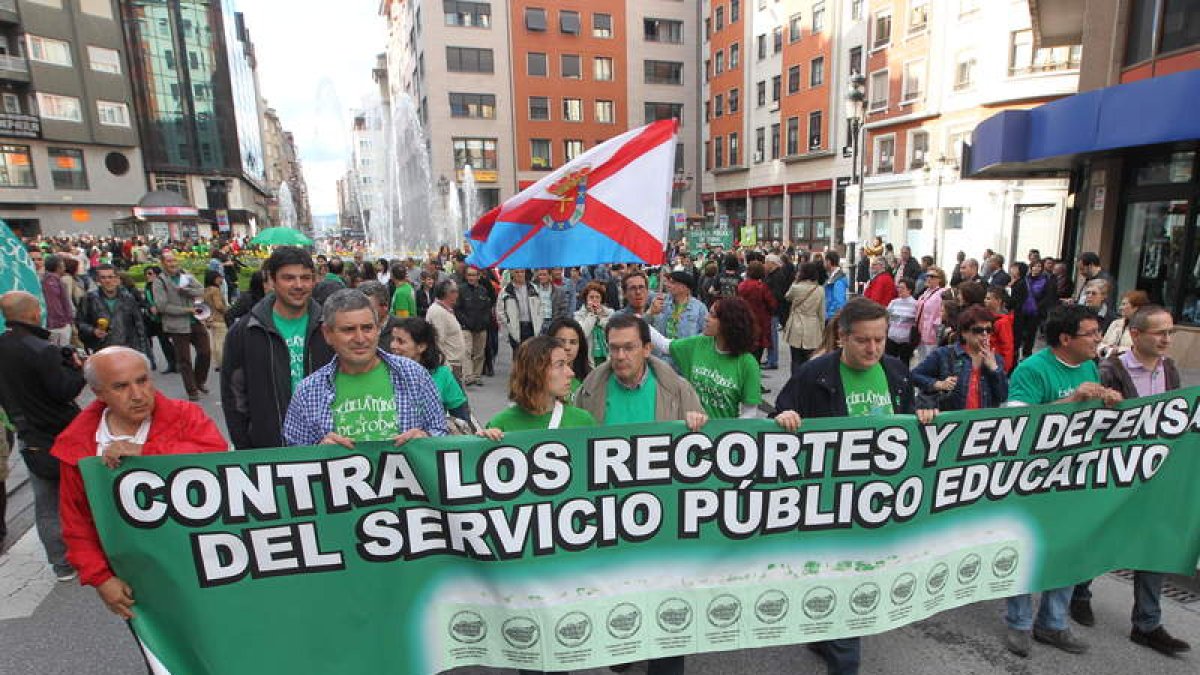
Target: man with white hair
{"points": [[129, 417]]}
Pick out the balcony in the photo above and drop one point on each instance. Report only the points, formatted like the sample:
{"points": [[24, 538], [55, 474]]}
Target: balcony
{"points": [[8, 12], [14, 68]]}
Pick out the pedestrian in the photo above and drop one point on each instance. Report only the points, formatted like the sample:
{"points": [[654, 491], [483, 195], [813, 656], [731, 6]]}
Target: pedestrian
{"points": [[638, 298], [404, 298], [969, 375], [1003, 341], [128, 418], [474, 308], [364, 393], [1032, 299], [836, 285], [247, 300], [553, 298], [1090, 269], [1064, 372], [424, 293], [903, 333], [60, 311], [154, 329], [574, 342], [679, 315], [111, 315], [39, 382], [415, 338], [449, 332], [270, 350], [377, 292], [537, 386], [761, 301], [176, 294], [779, 280], [1118, 339], [216, 298], [881, 288], [592, 317], [520, 310], [806, 318]]}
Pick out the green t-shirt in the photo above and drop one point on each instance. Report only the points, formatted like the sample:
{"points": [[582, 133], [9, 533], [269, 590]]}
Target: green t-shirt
{"points": [[623, 405], [448, 388], [1042, 378], [404, 301], [111, 303], [867, 392], [294, 332], [364, 405], [515, 418], [576, 383], [723, 382]]}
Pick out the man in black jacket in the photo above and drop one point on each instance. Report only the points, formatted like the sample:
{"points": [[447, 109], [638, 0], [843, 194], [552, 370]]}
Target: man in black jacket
{"points": [[268, 352], [111, 315], [855, 381], [38, 386], [474, 311]]}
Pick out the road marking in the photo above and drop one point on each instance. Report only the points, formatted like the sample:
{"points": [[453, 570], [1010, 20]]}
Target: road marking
{"points": [[25, 578]]}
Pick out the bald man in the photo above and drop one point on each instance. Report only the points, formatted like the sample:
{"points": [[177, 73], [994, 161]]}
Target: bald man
{"points": [[129, 417], [38, 386]]}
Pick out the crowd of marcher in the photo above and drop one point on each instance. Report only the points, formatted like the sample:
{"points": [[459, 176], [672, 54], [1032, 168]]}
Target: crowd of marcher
{"points": [[341, 350]]}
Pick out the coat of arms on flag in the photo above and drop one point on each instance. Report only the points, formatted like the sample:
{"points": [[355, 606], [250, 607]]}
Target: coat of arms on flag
{"points": [[610, 204]]}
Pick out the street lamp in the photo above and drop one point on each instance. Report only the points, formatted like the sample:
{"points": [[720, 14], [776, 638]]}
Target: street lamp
{"points": [[856, 98], [941, 164]]}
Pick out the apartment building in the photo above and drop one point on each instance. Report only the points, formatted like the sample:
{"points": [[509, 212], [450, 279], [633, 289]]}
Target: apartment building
{"points": [[69, 159], [934, 70]]}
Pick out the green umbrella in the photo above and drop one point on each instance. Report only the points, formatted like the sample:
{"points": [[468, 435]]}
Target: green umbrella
{"points": [[281, 236]]}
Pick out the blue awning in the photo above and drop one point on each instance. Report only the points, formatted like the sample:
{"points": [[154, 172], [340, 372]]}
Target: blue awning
{"points": [[1047, 140]]}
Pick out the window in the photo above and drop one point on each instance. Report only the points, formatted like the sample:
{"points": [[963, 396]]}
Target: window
{"points": [[814, 130], [707, 111], [883, 30], [760, 91], [707, 70], [663, 111], [719, 152], [775, 140], [572, 148], [535, 64], [955, 141], [1139, 41], [479, 106], [761, 41], [1181, 24], [679, 161], [720, 56], [794, 28], [918, 149], [918, 16], [878, 90], [964, 72], [568, 22], [735, 11], [104, 60], [468, 60], [733, 150], [816, 72], [16, 170], [793, 136], [818, 17], [572, 110], [776, 87], [602, 68], [856, 62], [885, 154], [663, 30], [570, 67], [539, 154], [663, 72], [760, 144], [735, 56], [602, 25], [719, 18], [793, 79], [734, 101], [856, 10], [952, 218], [766, 215], [707, 29], [777, 39], [48, 50], [535, 19], [65, 108], [604, 112], [10, 103], [880, 223], [719, 105], [708, 162], [914, 77], [479, 153], [468, 14], [1024, 60], [539, 108], [809, 218], [66, 169]]}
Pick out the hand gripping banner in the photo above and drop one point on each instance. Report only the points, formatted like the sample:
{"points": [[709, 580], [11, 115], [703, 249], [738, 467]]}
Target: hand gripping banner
{"points": [[580, 548]]}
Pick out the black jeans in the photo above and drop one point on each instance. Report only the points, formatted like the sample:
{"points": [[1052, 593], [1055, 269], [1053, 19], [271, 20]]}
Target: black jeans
{"points": [[900, 350], [526, 333], [799, 358], [195, 375]]}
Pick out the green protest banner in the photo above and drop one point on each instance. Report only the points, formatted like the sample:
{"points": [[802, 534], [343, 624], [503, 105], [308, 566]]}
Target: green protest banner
{"points": [[580, 548]]}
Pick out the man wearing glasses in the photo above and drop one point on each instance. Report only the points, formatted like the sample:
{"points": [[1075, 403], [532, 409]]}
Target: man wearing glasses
{"points": [[1064, 372]]}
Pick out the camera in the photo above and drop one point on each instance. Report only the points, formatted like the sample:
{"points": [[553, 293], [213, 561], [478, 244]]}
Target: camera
{"points": [[68, 357]]}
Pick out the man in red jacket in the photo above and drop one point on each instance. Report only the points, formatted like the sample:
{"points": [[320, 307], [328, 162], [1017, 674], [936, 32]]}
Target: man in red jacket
{"points": [[882, 287], [128, 417]]}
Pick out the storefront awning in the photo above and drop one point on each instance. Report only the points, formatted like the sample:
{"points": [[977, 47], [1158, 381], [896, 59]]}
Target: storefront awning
{"points": [[1046, 140]]}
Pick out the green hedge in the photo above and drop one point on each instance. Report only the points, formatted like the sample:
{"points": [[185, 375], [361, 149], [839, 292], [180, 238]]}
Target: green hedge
{"points": [[197, 268]]}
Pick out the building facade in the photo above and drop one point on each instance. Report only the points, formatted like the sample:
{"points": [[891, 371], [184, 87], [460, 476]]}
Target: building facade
{"points": [[282, 162], [193, 69], [69, 159]]}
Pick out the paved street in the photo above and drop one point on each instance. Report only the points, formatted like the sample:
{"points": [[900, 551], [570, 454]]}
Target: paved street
{"points": [[49, 628]]}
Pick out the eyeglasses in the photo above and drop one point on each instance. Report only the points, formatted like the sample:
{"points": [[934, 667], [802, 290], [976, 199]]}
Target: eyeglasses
{"points": [[982, 330]]}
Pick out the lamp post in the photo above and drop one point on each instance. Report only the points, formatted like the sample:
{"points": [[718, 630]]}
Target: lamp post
{"points": [[942, 162], [856, 98]]}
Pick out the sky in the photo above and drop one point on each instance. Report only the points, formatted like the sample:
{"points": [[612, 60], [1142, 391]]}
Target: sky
{"points": [[314, 65]]}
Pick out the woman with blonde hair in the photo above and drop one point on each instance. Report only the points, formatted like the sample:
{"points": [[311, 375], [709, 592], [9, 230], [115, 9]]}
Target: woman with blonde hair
{"points": [[929, 312], [1117, 339], [215, 293]]}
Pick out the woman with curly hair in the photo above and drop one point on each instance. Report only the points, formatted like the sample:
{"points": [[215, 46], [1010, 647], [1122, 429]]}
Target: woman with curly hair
{"points": [[540, 380], [720, 364], [592, 317], [762, 306], [574, 340], [415, 338]]}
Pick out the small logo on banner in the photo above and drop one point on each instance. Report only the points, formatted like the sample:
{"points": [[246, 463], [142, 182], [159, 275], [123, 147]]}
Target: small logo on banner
{"points": [[1005, 562], [771, 606], [903, 588], [674, 615], [724, 611], [468, 627], [819, 603], [624, 621], [521, 632], [865, 598], [968, 569], [573, 629], [936, 581]]}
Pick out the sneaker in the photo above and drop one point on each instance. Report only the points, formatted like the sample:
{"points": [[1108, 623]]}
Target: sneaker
{"points": [[1160, 641], [1018, 642], [65, 575], [1081, 612], [1063, 639]]}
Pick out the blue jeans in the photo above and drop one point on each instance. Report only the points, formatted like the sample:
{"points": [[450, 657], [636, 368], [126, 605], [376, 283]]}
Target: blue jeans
{"points": [[1147, 597], [45, 510], [1052, 613], [842, 656], [773, 350]]}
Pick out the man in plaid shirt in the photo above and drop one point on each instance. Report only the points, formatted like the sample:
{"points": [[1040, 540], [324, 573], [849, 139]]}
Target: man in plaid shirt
{"points": [[364, 393]]}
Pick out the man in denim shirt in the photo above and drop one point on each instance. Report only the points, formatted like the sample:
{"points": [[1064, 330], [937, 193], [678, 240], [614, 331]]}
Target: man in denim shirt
{"points": [[680, 314]]}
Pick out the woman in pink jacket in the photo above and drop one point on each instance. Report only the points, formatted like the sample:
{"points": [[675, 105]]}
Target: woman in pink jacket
{"points": [[929, 312]]}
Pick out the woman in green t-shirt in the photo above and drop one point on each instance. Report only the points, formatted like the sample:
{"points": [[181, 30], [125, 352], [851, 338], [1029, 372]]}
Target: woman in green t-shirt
{"points": [[416, 339], [540, 380], [718, 363], [574, 340]]}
